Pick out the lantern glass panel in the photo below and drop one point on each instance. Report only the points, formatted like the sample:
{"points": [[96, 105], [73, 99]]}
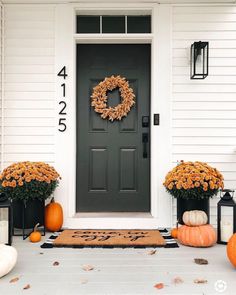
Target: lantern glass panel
{"points": [[4, 225], [226, 223], [199, 61], [205, 61]]}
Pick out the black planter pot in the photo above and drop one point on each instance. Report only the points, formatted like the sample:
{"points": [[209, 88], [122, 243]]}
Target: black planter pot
{"points": [[192, 204], [26, 216]]}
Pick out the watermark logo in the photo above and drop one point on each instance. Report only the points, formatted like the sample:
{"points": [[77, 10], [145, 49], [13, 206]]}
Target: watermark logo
{"points": [[220, 286]]}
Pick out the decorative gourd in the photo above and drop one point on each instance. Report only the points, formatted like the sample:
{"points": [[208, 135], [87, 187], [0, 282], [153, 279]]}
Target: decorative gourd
{"points": [[195, 218], [53, 216], [197, 236], [8, 257], [35, 236], [174, 233], [231, 250]]}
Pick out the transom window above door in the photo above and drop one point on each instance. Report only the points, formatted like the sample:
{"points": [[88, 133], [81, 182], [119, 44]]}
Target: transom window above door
{"points": [[113, 24]]}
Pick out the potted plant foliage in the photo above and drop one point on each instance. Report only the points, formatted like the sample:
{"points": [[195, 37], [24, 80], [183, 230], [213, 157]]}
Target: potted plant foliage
{"points": [[28, 185], [193, 183]]}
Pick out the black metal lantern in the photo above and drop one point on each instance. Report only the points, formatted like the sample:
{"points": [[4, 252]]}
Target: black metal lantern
{"points": [[199, 60], [5, 222], [226, 216]]}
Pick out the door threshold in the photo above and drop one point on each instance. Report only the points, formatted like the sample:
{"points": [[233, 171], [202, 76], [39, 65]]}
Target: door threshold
{"points": [[113, 215]]}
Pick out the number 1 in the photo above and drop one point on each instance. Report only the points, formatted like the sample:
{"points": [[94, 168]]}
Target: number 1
{"points": [[64, 89]]}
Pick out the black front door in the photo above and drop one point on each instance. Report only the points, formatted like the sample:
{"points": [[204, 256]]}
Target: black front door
{"points": [[113, 158]]}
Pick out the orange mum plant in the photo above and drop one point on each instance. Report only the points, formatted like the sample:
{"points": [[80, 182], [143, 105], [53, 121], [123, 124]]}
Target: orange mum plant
{"points": [[193, 180], [28, 180]]}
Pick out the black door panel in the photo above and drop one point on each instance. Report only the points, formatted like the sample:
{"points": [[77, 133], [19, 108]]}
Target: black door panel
{"points": [[113, 161]]}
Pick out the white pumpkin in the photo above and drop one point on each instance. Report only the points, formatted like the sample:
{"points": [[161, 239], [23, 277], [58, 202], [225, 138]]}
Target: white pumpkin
{"points": [[195, 218], [8, 257]]}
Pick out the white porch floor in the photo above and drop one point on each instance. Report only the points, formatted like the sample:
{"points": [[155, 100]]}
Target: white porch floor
{"points": [[116, 271]]}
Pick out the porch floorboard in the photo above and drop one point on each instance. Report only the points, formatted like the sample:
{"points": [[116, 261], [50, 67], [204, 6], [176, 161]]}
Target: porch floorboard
{"points": [[116, 271]]}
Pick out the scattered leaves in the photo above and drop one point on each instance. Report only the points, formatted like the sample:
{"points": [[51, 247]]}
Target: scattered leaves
{"points": [[26, 287], [151, 252], [88, 267], [178, 280], [14, 280], [159, 286], [200, 281], [56, 263], [84, 281], [200, 261]]}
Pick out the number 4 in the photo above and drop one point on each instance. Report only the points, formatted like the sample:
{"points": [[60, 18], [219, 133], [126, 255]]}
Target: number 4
{"points": [[63, 73]]}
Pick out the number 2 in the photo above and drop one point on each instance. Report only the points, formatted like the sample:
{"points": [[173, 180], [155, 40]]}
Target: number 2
{"points": [[63, 108]]}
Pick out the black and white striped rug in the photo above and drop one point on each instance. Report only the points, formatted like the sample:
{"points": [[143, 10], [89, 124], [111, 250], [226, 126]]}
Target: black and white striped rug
{"points": [[170, 242]]}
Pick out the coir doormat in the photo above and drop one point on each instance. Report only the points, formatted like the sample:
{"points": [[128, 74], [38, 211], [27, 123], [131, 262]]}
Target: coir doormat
{"points": [[111, 239]]}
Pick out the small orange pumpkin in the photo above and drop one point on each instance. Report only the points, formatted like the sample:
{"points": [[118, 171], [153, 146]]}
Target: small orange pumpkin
{"points": [[231, 250], [197, 236], [53, 216], [174, 233], [35, 236]]}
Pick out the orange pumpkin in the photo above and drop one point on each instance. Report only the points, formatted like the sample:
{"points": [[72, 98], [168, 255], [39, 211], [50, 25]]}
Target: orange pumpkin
{"points": [[231, 250], [35, 236], [53, 216], [197, 236], [174, 233]]}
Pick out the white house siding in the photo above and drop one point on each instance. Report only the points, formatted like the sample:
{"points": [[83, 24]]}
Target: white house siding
{"points": [[204, 112], [29, 99]]}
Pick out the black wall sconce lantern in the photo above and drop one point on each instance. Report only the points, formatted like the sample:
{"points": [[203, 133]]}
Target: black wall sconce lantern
{"points": [[226, 216], [199, 60]]}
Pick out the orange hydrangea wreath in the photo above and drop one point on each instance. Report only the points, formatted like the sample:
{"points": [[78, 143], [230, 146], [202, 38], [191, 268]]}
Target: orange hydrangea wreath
{"points": [[99, 98]]}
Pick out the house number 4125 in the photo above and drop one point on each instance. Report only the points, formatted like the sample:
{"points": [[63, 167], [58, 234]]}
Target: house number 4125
{"points": [[62, 104]]}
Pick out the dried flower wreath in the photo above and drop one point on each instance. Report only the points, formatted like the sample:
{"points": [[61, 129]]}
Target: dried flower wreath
{"points": [[99, 98]]}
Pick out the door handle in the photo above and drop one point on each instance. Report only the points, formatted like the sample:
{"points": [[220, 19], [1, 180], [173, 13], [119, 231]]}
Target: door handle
{"points": [[145, 143]]}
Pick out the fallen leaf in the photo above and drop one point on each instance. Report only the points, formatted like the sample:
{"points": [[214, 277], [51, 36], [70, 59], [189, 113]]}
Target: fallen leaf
{"points": [[159, 286], [26, 287], [200, 281], [200, 261], [41, 253], [56, 263], [151, 252], [14, 280], [83, 281], [177, 280], [88, 267]]}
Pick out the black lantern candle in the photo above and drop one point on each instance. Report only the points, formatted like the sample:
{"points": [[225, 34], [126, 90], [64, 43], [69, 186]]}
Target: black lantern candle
{"points": [[199, 60], [5, 221], [226, 216]]}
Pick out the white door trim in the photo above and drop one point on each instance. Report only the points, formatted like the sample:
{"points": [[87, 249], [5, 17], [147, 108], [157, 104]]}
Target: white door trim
{"points": [[65, 143]]}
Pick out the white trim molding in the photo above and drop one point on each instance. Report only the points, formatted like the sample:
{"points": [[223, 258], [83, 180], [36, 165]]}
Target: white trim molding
{"points": [[2, 83], [65, 160]]}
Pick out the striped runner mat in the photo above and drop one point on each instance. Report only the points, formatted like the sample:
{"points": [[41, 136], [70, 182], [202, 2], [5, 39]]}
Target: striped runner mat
{"points": [[170, 242]]}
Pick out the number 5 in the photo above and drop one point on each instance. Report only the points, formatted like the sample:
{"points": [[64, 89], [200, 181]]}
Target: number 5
{"points": [[61, 123]]}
